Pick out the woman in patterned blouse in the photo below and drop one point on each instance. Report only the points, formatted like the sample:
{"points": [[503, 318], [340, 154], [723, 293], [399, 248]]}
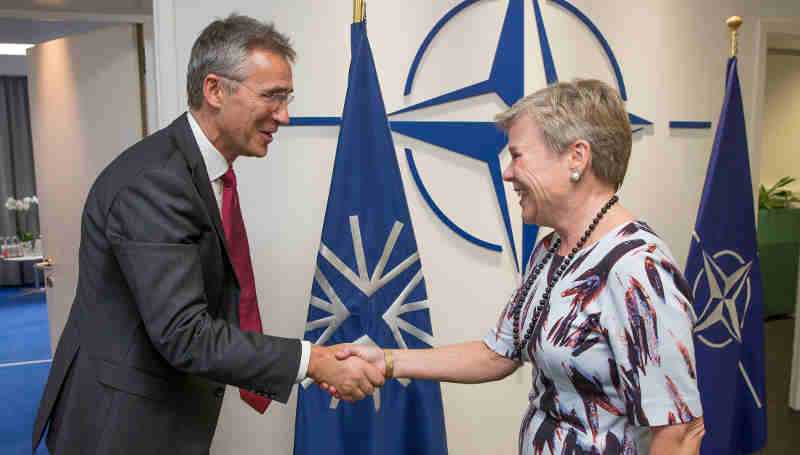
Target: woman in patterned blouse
{"points": [[603, 314]]}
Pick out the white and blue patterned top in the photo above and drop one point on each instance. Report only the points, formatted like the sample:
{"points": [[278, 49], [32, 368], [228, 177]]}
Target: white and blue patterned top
{"points": [[613, 354]]}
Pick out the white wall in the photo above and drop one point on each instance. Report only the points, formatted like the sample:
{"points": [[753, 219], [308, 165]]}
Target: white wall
{"points": [[672, 55], [781, 134], [65, 77]]}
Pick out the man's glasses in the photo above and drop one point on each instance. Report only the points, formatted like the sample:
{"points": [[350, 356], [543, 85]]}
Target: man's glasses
{"points": [[272, 99]]}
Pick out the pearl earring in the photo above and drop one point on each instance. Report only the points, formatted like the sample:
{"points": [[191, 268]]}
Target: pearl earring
{"points": [[575, 176]]}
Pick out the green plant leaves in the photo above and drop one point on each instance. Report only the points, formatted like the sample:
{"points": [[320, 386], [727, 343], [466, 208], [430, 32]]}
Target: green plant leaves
{"points": [[776, 197]]}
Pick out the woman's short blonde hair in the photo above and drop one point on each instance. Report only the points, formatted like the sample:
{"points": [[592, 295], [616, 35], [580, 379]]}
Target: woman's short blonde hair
{"points": [[585, 109]]}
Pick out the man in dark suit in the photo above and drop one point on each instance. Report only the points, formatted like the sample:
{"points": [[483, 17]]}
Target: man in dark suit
{"points": [[153, 334]]}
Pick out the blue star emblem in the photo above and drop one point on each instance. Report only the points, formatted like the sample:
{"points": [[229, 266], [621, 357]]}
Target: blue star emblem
{"points": [[482, 140]]}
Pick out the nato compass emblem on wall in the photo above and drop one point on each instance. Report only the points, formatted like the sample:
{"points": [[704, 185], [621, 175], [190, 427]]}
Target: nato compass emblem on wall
{"points": [[482, 140]]}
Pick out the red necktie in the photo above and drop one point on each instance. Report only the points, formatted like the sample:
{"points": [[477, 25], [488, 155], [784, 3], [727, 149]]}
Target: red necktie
{"points": [[239, 249]]}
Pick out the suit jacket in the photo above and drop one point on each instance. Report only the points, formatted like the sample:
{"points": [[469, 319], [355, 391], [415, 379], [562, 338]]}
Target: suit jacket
{"points": [[153, 333]]}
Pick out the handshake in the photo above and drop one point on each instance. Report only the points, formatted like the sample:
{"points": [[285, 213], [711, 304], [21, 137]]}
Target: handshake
{"points": [[348, 371]]}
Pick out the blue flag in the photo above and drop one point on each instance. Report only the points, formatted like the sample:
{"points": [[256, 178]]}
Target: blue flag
{"points": [[368, 287], [723, 271]]}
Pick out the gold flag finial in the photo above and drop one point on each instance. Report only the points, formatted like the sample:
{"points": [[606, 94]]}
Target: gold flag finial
{"points": [[734, 22], [358, 11]]}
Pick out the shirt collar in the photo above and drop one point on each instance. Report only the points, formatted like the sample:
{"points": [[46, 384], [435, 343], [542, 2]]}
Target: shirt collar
{"points": [[216, 164]]}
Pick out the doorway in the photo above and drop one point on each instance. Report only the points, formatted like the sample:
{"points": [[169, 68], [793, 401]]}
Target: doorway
{"points": [[76, 74], [776, 135]]}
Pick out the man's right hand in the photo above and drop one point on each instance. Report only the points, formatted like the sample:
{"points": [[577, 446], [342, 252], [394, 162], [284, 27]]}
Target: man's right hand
{"points": [[371, 354], [352, 378]]}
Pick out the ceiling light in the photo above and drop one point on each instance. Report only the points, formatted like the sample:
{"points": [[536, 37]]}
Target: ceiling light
{"points": [[13, 48]]}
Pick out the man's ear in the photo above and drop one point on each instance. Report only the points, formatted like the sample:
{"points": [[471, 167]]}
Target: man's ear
{"points": [[579, 154], [214, 91]]}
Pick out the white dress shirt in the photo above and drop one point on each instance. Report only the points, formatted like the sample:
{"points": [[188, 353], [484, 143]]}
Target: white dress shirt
{"points": [[217, 166]]}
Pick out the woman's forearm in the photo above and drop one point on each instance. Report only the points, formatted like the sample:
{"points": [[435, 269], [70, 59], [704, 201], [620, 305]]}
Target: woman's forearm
{"points": [[471, 362]]}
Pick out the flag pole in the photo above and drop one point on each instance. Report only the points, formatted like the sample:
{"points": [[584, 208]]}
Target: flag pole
{"points": [[358, 11], [734, 22]]}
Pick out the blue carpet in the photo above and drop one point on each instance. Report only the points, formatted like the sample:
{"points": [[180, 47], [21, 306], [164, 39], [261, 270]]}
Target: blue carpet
{"points": [[22, 387], [24, 337], [24, 332]]}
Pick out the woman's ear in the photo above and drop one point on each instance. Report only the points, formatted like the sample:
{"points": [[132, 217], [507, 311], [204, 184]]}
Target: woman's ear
{"points": [[579, 156]]}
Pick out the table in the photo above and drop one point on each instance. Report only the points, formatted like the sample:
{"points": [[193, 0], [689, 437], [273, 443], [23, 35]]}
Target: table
{"points": [[37, 288]]}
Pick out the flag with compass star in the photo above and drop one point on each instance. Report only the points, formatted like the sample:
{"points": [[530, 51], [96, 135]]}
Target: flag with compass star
{"points": [[723, 271], [368, 287]]}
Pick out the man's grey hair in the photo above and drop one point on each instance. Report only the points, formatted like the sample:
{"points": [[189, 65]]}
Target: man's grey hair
{"points": [[585, 109], [223, 48]]}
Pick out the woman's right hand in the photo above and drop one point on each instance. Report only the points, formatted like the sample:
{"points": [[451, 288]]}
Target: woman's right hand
{"points": [[371, 354]]}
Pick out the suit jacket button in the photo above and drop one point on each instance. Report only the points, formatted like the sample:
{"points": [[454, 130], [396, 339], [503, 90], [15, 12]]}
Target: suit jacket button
{"points": [[219, 392]]}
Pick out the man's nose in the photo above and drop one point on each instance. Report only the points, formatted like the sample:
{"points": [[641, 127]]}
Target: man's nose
{"points": [[281, 114], [508, 174]]}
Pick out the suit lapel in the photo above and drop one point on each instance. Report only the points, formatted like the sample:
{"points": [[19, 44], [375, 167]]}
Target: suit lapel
{"points": [[191, 151]]}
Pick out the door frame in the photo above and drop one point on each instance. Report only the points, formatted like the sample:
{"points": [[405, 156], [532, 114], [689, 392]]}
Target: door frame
{"points": [[765, 28], [169, 86]]}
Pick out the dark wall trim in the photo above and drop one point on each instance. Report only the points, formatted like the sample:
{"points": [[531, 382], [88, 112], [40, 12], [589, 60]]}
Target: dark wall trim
{"points": [[772, 51]]}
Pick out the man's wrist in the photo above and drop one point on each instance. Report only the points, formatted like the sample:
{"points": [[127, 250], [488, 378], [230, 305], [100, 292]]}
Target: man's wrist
{"points": [[305, 360], [315, 356]]}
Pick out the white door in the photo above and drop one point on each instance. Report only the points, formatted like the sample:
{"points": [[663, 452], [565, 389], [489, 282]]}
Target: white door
{"points": [[85, 109]]}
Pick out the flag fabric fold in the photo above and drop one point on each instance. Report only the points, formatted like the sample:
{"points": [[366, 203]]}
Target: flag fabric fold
{"points": [[368, 287], [724, 273]]}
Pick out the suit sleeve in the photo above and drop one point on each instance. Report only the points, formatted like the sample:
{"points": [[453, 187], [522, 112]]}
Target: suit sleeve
{"points": [[157, 227]]}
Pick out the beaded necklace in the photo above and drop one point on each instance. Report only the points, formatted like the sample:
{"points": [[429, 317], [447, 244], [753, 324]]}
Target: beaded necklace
{"points": [[519, 299]]}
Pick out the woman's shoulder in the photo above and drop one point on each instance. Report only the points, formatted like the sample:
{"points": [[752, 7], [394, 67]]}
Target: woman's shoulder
{"points": [[635, 240], [637, 251], [637, 229], [633, 246]]}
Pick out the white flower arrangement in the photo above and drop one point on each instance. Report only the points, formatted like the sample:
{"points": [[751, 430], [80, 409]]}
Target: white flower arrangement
{"points": [[23, 205]]}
